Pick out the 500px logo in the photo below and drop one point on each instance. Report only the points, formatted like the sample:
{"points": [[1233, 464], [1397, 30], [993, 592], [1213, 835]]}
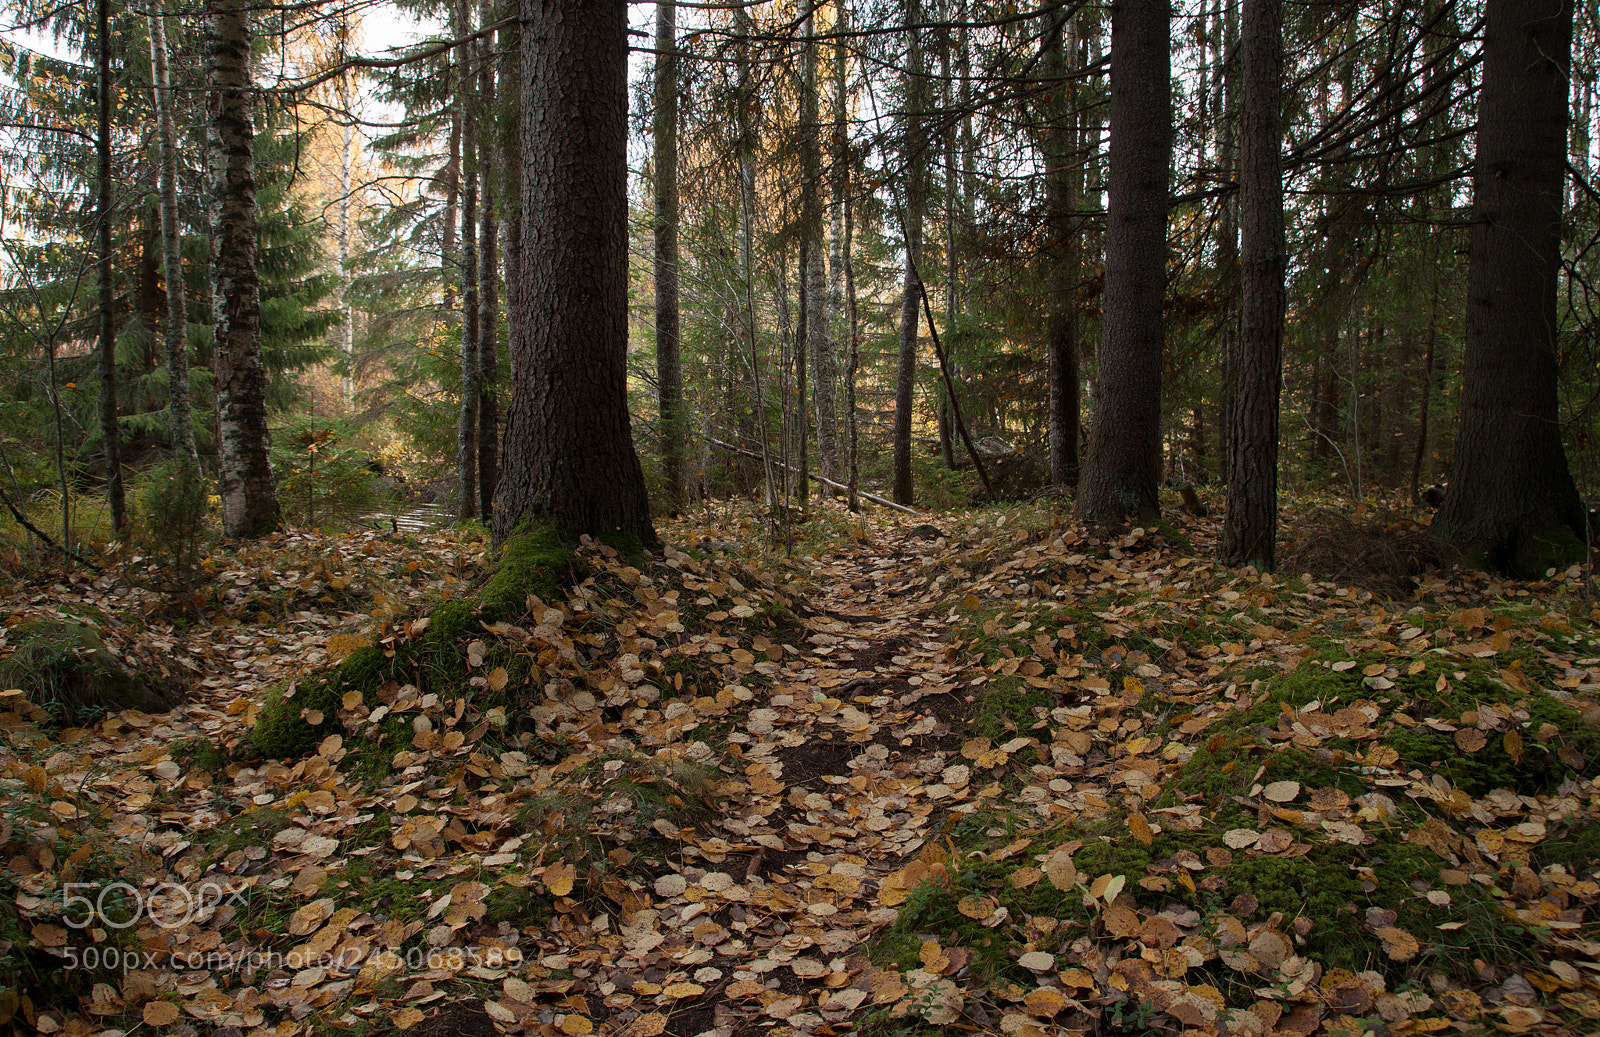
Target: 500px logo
{"points": [[119, 905]]}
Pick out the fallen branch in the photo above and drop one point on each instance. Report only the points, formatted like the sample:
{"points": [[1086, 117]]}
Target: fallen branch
{"points": [[824, 480], [42, 535]]}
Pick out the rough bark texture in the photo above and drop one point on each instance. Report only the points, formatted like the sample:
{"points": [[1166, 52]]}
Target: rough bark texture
{"points": [[1510, 490], [244, 470], [511, 173], [172, 249], [467, 419], [914, 154], [569, 449], [669, 365], [1062, 174], [488, 281], [1123, 471], [110, 429], [1250, 530]]}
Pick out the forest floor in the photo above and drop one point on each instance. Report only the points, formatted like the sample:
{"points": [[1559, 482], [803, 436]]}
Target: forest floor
{"points": [[996, 775]]}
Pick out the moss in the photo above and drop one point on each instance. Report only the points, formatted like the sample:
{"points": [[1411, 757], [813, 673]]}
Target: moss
{"points": [[533, 561], [284, 727], [1007, 706], [69, 674]]}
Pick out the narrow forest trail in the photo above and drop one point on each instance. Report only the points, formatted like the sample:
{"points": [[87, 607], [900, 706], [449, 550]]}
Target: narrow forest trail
{"points": [[1016, 778]]}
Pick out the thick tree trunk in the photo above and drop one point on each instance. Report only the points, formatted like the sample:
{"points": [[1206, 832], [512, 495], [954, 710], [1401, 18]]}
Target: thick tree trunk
{"points": [[1511, 493], [110, 428], [914, 158], [1123, 471], [1250, 529], [467, 419], [669, 362], [569, 449], [244, 468], [488, 279]]}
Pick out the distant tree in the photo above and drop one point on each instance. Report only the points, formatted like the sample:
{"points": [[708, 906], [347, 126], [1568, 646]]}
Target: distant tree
{"points": [[669, 362], [914, 159], [171, 245], [1250, 529], [245, 484], [1123, 472], [110, 429], [1511, 493], [467, 420], [570, 457]]}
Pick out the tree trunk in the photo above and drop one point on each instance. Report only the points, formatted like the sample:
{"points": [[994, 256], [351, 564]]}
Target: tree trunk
{"points": [[244, 468], [110, 428], [467, 421], [1250, 529], [511, 176], [449, 262], [569, 449], [1123, 471], [488, 277], [1061, 327], [178, 404], [819, 345], [669, 362], [914, 157], [1511, 497]]}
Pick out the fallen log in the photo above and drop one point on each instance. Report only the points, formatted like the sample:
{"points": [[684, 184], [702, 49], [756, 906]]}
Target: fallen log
{"points": [[874, 498]]}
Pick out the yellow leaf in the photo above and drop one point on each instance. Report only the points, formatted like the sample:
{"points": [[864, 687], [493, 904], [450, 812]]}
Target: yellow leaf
{"points": [[976, 906], [650, 1025], [559, 878], [1398, 944], [496, 681], [574, 1025], [406, 1018], [678, 991], [1141, 829]]}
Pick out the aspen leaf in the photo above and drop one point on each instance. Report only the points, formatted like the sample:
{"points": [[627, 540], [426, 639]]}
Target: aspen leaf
{"points": [[160, 1013], [559, 878], [1140, 828]]}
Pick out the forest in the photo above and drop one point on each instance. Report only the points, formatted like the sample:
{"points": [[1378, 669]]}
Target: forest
{"points": [[896, 517]]}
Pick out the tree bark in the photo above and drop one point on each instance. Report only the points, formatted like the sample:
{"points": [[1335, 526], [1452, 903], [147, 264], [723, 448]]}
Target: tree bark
{"points": [[819, 345], [1123, 471], [488, 277], [467, 419], [1511, 494], [1250, 529], [914, 158], [1062, 173], [669, 361], [449, 262], [110, 428], [570, 457], [171, 248], [244, 469]]}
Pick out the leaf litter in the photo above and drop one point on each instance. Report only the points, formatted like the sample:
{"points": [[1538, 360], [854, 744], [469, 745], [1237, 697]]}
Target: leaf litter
{"points": [[1022, 778]]}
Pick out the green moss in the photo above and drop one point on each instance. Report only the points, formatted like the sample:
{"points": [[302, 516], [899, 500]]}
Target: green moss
{"points": [[71, 677], [533, 561], [1008, 705]]}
